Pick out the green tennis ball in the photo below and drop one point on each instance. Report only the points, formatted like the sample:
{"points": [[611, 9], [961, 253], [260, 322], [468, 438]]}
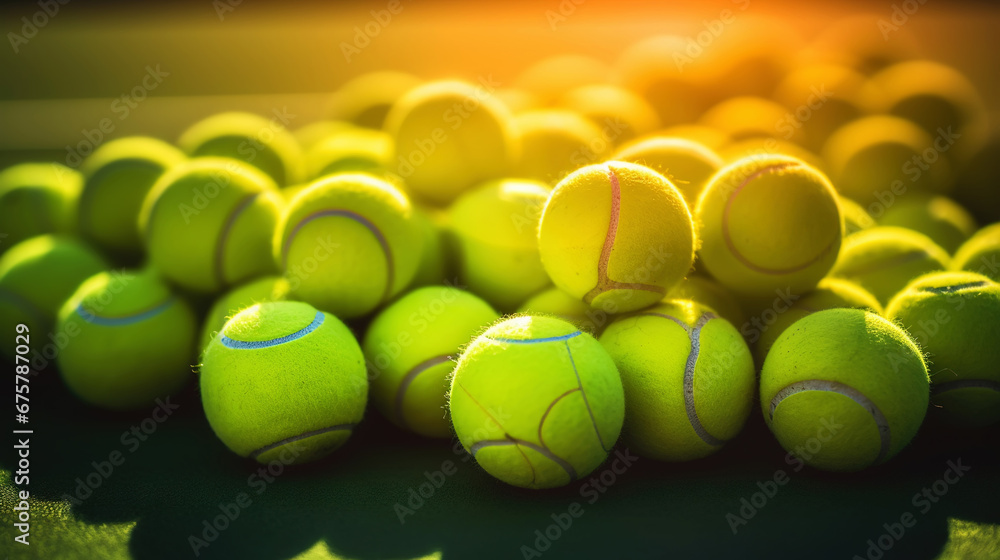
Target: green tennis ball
{"points": [[208, 223], [367, 99], [131, 341], [258, 141], [981, 253], [434, 127], [687, 164], [261, 290], [711, 294], [748, 117], [283, 381], [689, 379], [621, 114], [856, 218], [873, 159], [36, 278], [616, 235], [357, 149], [537, 402], [830, 293], [938, 217], [955, 317], [495, 228], [118, 176], [555, 142], [883, 259], [36, 199], [348, 243], [435, 258], [558, 303], [769, 223], [411, 348], [844, 389]]}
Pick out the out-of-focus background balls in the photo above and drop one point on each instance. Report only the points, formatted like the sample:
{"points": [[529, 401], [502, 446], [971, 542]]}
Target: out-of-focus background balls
{"points": [[365, 101], [38, 198]]}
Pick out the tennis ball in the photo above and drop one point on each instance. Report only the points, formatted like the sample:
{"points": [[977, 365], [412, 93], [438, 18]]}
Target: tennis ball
{"points": [[821, 98], [938, 217], [555, 142], [434, 126], [747, 117], [357, 149], [117, 178], [689, 379], [769, 223], [551, 77], [558, 303], [830, 293], [495, 228], [133, 340], [616, 235], [676, 90], [283, 381], [411, 348], [856, 218], [883, 259], [261, 142], [37, 276], [687, 164], [981, 253], [367, 99], [621, 114], [873, 159], [763, 147], [537, 402], [208, 223], [709, 137], [435, 259], [711, 294], [36, 199], [348, 243], [261, 290], [955, 317], [315, 132], [844, 389]]}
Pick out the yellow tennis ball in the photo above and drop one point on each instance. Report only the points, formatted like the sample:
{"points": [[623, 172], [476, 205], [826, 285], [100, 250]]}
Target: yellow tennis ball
{"points": [[36, 277], [689, 379], [711, 294], [844, 389], [620, 114], [748, 117], [117, 178], [131, 341], [367, 99], [208, 223], [559, 304], [883, 259], [495, 228], [434, 127], [37, 199], [348, 243], [261, 290], [283, 382], [769, 223], [955, 317], [938, 217], [538, 403], [874, 160], [262, 142], [616, 235], [552, 77], [555, 142], [411, 348], [356, 149], [980, 254], [856, 218], [820, 98], [687, 164], [830, 293]]}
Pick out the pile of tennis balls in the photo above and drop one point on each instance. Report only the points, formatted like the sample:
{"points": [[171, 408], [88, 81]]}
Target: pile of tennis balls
{"points": [[639, 251]]}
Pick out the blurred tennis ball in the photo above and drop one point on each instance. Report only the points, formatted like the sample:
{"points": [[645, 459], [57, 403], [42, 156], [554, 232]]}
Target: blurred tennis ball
{"points": [[763, 147], [518, 100], [616, 235], [981, 253], [620, 114], [118, 176], [884, 259], [743, 118], [711, 294], [261, 290], [856, 42], [261, 142], [436, 258], [687, 164], [314, 132], [36, 199], [856, 218], [976, 185], [556, 142], [938, 217], [357, 149], [660, 70], [496, 232], [707, 136], [820, 98], [557, 303], [367, 99], [551, 77], [433, 127]]}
